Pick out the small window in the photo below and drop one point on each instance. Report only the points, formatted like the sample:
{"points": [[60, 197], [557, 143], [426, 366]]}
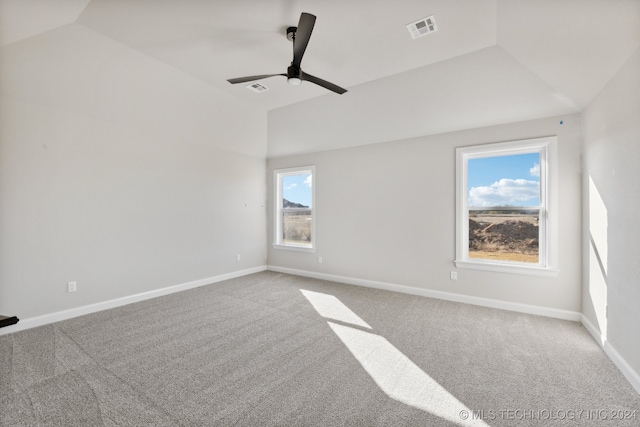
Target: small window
{"points": [[505, 206], [294, 211]]}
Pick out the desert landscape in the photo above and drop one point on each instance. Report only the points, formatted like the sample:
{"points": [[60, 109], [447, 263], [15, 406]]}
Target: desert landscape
{"points": [[296, 225], [504, 236]]}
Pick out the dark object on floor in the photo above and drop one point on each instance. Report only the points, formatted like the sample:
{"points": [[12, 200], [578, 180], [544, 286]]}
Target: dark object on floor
{"points": [[8, 321]]}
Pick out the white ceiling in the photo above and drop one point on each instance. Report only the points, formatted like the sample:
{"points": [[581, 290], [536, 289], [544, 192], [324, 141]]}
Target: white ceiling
{"points": [[21, 19], [353, 42], [490, 62]]}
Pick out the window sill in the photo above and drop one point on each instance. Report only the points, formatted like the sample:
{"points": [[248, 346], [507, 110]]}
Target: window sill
{"points": [[503, 268], [295, 248]]}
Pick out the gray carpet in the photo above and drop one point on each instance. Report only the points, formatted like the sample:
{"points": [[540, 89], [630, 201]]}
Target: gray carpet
{"points": [[272, 349]]}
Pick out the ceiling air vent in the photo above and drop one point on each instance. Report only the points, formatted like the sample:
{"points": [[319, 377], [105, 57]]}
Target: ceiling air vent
{"points": [[422, 27], [257, 87]]}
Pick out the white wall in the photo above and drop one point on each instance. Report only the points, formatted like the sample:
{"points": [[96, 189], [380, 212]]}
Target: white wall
{"points": [[386, 212], [119, 173], [611, 292]]}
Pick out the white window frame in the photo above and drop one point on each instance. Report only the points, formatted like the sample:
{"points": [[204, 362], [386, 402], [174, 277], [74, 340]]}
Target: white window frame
{"points": [[547, 243], [278, 174]]}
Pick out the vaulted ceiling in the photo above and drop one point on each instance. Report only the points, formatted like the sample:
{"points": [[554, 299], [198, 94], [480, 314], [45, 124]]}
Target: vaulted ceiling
{"points": [[490, 62]]}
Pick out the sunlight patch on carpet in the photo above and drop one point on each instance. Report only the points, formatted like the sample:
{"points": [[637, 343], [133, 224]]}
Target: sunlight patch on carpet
{"points": [[400, 378], [396, 375], [332, 308]]}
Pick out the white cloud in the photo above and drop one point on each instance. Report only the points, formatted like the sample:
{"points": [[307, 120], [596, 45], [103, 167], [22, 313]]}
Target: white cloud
{"points": [[294, 185], [512, 192], [535, 170], [308, 180]]}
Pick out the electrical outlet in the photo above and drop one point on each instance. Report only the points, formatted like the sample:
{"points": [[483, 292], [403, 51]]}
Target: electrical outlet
{"points": [[319, 260], [238, 257], [454, 275], [72, 286]]}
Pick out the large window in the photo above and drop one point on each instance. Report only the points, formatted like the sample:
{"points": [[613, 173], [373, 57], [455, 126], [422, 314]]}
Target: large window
{"points": [[294, 211], [505, 211]]}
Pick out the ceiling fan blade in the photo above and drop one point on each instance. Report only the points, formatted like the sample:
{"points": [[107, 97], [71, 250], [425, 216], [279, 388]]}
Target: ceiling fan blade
{"points": [[325, 84], [252, 78], [303, 34]]}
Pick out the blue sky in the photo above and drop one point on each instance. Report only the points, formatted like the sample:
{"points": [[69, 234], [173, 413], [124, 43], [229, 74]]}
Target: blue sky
{"points": [[504, 180], [297, 188]]}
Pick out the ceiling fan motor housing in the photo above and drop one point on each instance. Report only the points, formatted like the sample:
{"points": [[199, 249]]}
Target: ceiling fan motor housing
{"points": [[291, 33], [293, 75]]}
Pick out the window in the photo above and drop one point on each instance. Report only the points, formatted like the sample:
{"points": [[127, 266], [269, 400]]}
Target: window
{"points": [[505, 218], [294, 211]]}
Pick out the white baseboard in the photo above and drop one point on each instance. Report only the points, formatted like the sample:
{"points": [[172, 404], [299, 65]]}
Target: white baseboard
{"points": [[630, 374], [92, 308], [595, 333], [448, 296]]}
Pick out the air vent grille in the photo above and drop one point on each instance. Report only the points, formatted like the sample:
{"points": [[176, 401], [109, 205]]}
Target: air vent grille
{"points": [[257, 87], [422, 27]]}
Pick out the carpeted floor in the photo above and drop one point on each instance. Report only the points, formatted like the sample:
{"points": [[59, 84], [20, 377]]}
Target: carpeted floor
{"points": [[272, 349]]}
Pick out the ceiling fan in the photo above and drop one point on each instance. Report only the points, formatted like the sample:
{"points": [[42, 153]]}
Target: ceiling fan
{"points": [[300, 36]]}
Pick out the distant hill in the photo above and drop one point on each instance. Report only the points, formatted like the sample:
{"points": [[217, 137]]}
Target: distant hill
{"points": [[288, 204]]}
